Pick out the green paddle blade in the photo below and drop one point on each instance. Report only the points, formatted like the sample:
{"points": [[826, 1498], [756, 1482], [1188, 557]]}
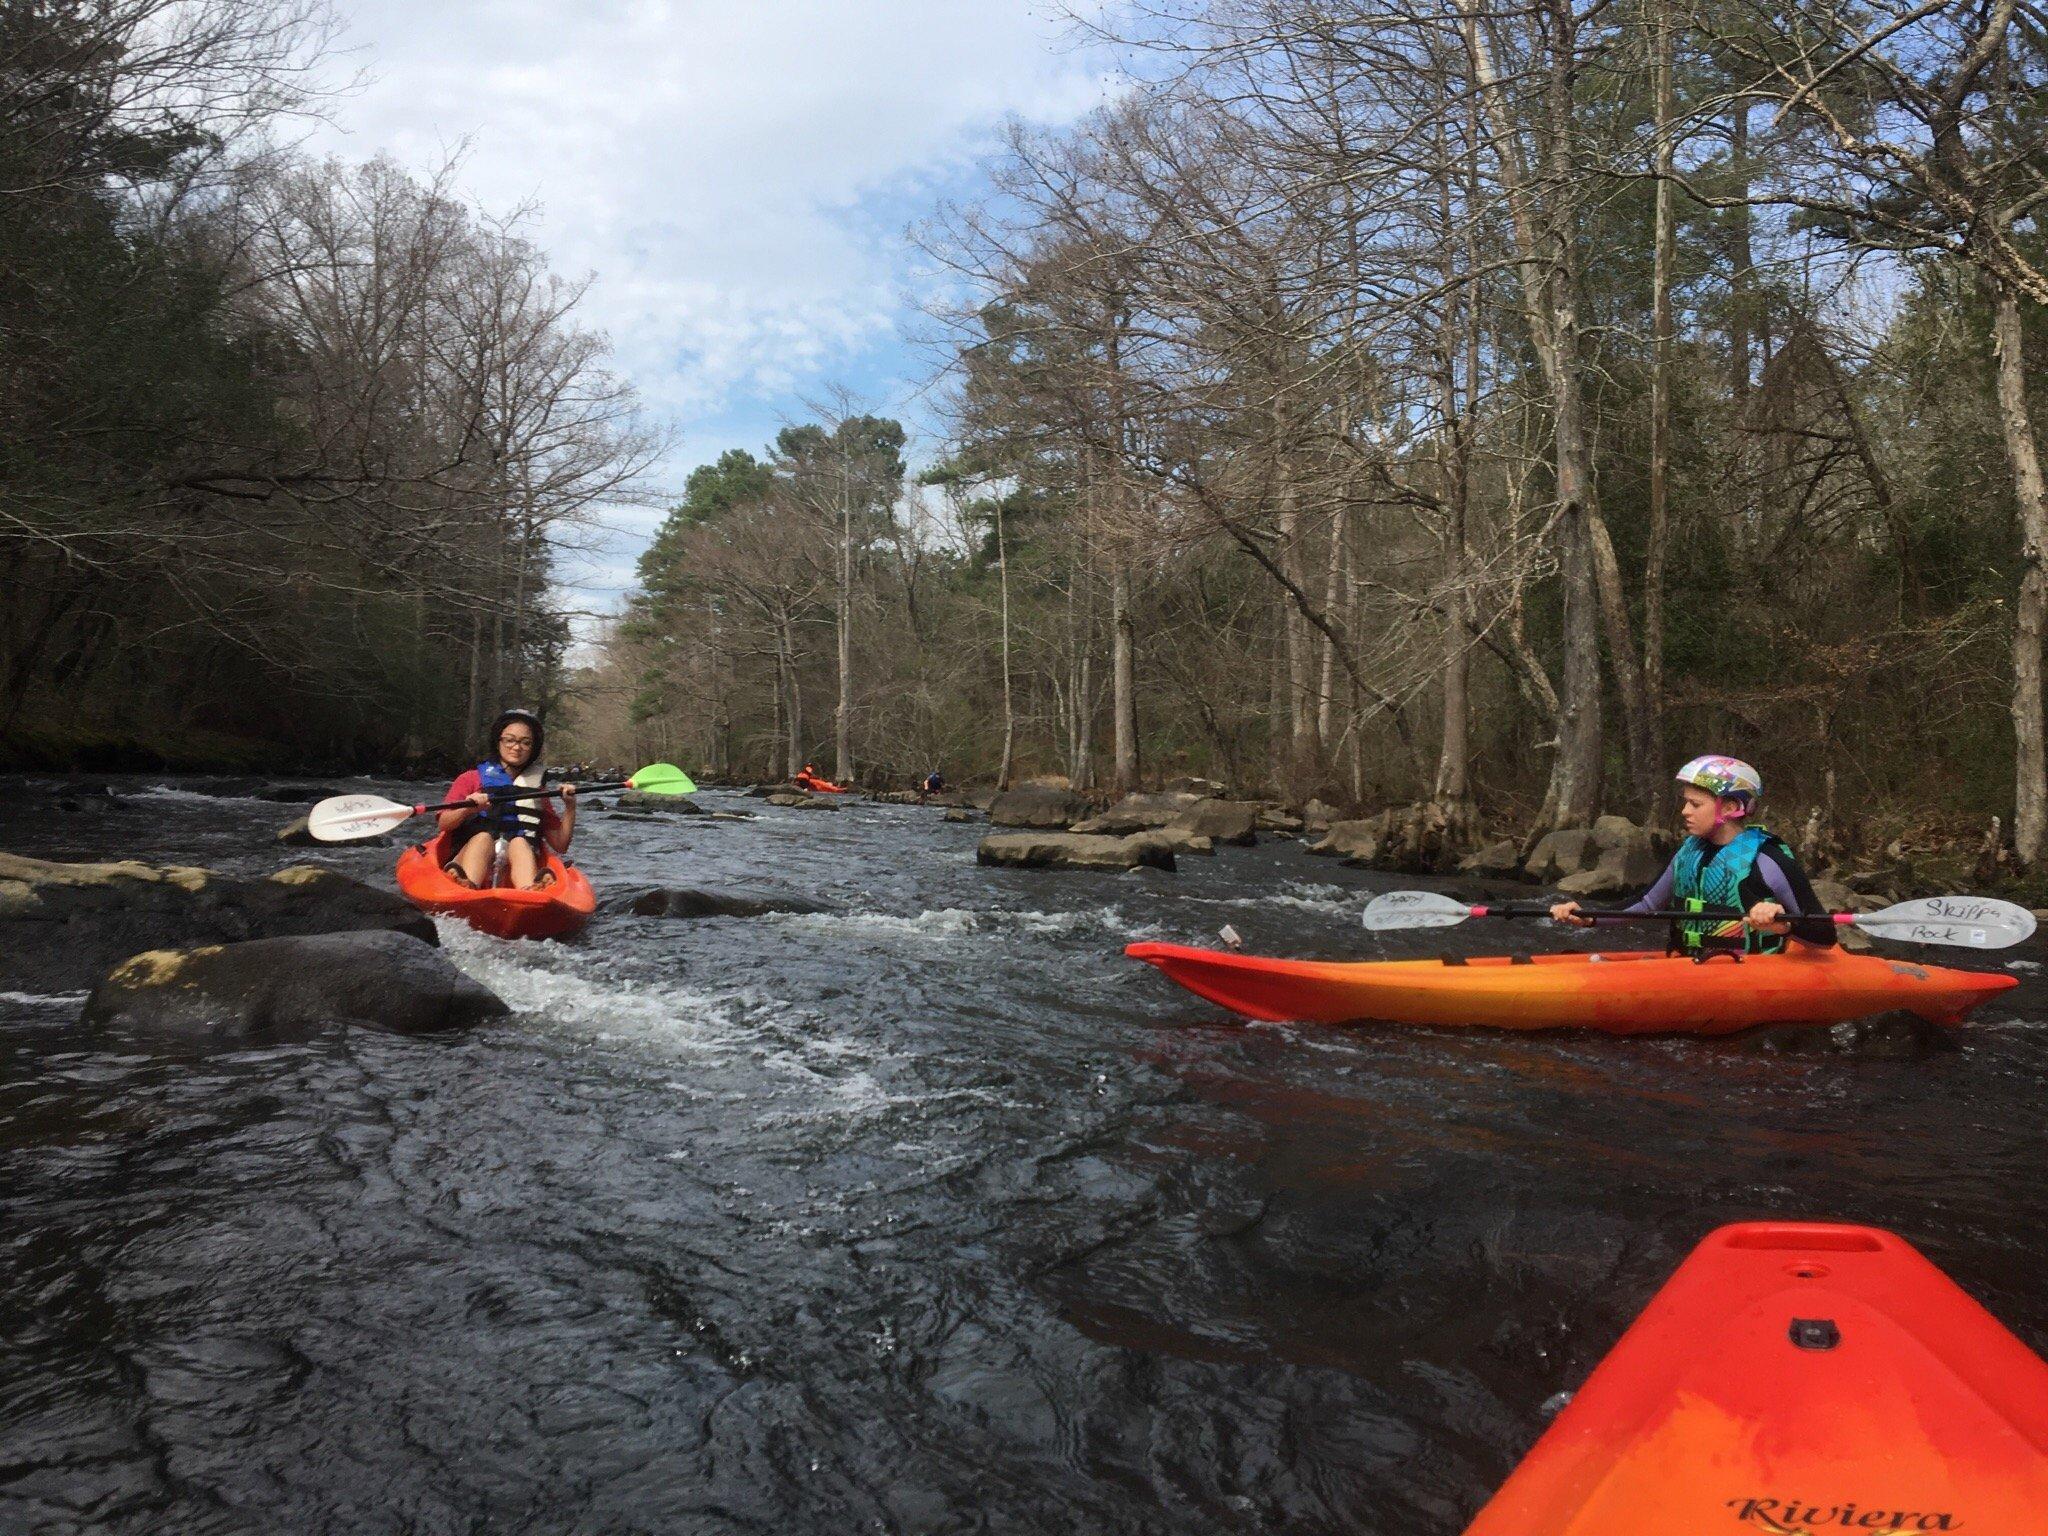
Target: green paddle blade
{"points": [[1414, 909], [662, 779]]}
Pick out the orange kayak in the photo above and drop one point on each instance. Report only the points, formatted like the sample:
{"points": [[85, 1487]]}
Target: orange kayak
{"points": [[551, 913], [1627, 993], [1795, 1377], [819, 786]]}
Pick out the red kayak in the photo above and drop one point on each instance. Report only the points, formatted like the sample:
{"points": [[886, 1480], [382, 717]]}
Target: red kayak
{"points": [[1626, 992], [551, 912], [1795, 1378]]}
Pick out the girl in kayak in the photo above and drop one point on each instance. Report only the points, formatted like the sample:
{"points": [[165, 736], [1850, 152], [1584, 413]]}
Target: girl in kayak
{"points": [[472, 833], [1726, 864]]}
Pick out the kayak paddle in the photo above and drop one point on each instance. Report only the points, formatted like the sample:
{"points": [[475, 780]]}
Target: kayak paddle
{"points": [[345, 817], [1969, 922]]}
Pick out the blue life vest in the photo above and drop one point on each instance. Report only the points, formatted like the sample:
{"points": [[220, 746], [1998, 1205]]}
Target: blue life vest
{"points": [[508, 819], [1699, 884]]}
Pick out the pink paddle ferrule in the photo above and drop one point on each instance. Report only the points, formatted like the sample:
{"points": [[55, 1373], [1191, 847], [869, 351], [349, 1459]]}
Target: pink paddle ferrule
{"points": [[1475, 912], [1842, 919]]}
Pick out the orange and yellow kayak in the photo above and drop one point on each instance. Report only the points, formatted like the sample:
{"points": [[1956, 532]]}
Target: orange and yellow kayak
{"points": [[1626, 993], [551, 912], [1795, 1378]]}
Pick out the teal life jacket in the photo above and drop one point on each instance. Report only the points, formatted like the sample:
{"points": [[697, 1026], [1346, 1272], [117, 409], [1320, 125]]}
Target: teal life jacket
{"points": [[1699, 884]]}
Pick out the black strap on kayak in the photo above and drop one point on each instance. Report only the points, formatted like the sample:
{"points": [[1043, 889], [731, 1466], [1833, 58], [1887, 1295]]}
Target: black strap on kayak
{"points": [[1451, 959]]}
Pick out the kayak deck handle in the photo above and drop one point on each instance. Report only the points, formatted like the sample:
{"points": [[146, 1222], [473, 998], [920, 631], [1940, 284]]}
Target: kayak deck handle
{"points": [[1815, 1333]]}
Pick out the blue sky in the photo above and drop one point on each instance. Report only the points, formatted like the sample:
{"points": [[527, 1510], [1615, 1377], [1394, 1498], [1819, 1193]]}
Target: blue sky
{"points": [[737, 175]]}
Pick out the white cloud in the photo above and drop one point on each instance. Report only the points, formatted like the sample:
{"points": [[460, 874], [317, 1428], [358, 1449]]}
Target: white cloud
{"points": [[735, 174]]}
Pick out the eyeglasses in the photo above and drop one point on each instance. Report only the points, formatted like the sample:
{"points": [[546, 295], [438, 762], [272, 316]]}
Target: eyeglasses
{"points": [[515, 741]]}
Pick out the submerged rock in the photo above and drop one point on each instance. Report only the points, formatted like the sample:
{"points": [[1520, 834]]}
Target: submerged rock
{"points": [[63, 925], [688, 902], [1071, 850], [270, 987], [675, 805], [957, 814], [1894, 1036]]}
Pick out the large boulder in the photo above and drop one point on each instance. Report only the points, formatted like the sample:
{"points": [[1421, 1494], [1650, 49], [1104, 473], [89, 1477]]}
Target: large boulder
{"points": [[266, 988], [1222, 821], [803, 800], [1611, 856], [688, 902], [1405, 839], [1501, 858], [1139, 813], [62, 926], [1176, 840], [1043, 806], [1319, 816], [1071, 850]]}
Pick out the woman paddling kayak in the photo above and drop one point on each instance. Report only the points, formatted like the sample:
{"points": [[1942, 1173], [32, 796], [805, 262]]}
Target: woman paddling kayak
{"points": [[470, 834], [1724, 863]]}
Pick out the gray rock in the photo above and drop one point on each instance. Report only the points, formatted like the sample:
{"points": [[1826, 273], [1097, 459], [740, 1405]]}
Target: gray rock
{"points": [[1069, 850], [1559, 854], [1358, 839], [1273, 819], [266, 988], [1222, 821], [1037, 805], [1601, 880], [803, 800], [956, 814], [62, 926], [1139, 813], [675, 805], [1176, 840], [688, 902], [1318, 816], [1501, 858]]}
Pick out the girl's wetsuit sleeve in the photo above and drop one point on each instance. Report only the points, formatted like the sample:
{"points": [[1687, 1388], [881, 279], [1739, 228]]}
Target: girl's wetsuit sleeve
{"points": [[1658, 896], [1787, 885]]}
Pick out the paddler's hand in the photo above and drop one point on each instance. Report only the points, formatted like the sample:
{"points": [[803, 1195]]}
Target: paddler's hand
{"points": [[569, 793], [1568, 912], [481, 800], [1768, 917]]}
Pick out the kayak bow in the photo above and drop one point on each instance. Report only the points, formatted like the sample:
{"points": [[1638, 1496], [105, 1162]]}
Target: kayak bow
{"points": [[551, 912], [1795, 1377]]}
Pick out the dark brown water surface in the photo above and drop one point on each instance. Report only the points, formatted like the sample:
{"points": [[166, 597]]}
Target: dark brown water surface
{"points": [[933, 1214]]}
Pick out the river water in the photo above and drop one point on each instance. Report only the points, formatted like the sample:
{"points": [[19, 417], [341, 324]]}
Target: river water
{"points": [[929, 1214]]}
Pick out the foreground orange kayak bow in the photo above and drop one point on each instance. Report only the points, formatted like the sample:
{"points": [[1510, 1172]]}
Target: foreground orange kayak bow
{"points": [[1796, 1378]]}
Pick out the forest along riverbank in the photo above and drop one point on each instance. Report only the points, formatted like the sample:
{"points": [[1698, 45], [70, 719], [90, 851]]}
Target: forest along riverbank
{"points": [[929, 1211]]}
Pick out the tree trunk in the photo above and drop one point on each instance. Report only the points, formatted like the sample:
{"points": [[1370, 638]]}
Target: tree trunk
{"points": [[1741, 258], [1662, 261], [842, 752], [2030, 762], [1123, 681], [1333, 592], [1009, 710]]}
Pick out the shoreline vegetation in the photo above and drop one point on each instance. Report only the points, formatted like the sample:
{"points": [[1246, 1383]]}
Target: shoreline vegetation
{"points": [[1461, 413]]}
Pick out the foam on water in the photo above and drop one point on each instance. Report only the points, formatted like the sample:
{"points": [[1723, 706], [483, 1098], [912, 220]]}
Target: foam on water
{"points": [[961, 922], [45, 999]]}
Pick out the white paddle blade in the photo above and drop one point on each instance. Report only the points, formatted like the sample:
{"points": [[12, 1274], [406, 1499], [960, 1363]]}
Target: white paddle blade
{"points": [[1414, 909], [351, 816], [1969, 922]]}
